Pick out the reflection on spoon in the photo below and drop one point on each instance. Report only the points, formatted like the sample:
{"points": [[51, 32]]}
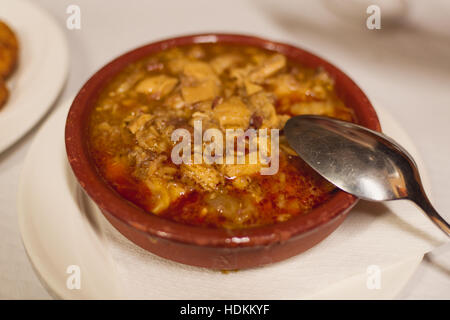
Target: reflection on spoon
{"points": [[359, 161]]}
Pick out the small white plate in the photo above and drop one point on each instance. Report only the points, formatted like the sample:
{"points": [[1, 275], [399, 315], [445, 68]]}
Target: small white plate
{"points": [[41, 71], [59, 228]]}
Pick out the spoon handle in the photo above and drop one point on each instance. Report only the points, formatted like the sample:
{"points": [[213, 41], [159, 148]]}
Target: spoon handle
{"points": [[422, 201]]}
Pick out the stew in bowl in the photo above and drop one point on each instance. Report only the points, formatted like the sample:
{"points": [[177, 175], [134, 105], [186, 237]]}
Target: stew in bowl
{"points": [[180, 144]]}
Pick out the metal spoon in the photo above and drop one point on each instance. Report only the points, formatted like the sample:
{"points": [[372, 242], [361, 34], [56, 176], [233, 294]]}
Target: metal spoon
{"points": [[360, 161]]}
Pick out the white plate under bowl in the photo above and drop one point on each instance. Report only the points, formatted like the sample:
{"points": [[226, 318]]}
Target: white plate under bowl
{"points": [[60, 228], [41, 71]]}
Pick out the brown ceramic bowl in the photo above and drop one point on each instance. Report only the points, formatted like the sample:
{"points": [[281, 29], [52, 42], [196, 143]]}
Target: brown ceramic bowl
{"points": [[206, 247]]}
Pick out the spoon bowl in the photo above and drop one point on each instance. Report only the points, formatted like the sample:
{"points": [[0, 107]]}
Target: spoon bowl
{"points": [[360, 161]]}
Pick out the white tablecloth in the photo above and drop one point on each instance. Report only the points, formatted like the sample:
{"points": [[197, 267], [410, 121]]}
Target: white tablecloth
{"points": [[405, 69]]}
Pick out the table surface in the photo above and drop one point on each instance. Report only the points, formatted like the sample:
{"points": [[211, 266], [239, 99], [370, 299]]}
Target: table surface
{"points": [[403, 67]]}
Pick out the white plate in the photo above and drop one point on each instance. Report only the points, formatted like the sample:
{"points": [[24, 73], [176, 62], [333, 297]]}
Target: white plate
{"points": [[41, 72], [59, 228]]}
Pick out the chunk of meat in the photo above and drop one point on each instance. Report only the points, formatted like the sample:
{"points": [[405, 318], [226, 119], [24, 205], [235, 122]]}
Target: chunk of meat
{"points": [[269, 67], [163, 193], [204, 175], [262, 105], [157, 86], [251, 88], [176, 190], [160, 197], [236, 211], [241, 74], [151, 140], [175, 101], [232, 114], [206, 90], [139, 158], [151, 133], [138, 123], [199, 71], [176, 65], [242, 170], [130, 81], [196, 52], [203, 112], [313, 107], [224, 62], [285, 84], [241, 183]]}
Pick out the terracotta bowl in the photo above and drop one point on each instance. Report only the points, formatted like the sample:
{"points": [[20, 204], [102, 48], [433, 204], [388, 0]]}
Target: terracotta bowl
{"points": [[206, 247]]}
